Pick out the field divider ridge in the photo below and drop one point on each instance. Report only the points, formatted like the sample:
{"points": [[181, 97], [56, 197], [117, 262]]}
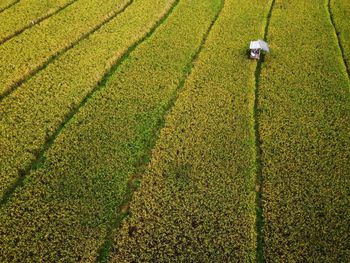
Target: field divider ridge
{"points": [[197, 200], [123, 210], [9, 6], [51, 140], [336, 32], [52, 58], [34, 22], [259, 175], [304, 127]]}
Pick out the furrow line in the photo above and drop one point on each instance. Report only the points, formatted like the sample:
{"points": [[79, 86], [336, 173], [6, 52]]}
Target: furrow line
{"points": [[52, 58], [304, 127], [9, 6], [342, 50], [35, 22], [102, 83], [133, 182], [73, 209], [259, 175], [203, 164]]}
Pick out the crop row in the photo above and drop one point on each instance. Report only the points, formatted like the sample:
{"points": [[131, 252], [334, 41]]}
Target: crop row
{"points": [[27, 13], [70, 79], [5, 4], [340, 10], [197, 200], [72, 197], [32, 115], [25, 54], [304, 116]]}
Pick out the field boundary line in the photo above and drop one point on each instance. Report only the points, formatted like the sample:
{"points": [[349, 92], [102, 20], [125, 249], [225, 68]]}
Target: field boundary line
{"points": [[258, 151], [337, 33], [51, 139], [34, 22], [132, 185], [69, 116], [9, 6], [55, 56]]}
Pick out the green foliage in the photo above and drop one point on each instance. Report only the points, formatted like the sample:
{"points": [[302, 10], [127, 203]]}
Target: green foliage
{"points": [[72, 199], [341, 12], [137, 92], [25, 13], [29, 51], [4, 4], [32, 114], [196, 202], [304, 116]]}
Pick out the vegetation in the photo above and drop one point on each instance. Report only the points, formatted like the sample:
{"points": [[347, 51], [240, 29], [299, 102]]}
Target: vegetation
{"points": [[33, 114], [304, 116], [33, 49], [5, 4], [84, 176], [139, 131], [197, 202], [27, 13], [340, 10]]}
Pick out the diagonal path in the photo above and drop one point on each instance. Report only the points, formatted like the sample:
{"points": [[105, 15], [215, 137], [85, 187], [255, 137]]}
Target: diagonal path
{"points": [[8, 4], [197, 199], [304, 116], [32, 116], [259, 175], [32, 51], [25, 16], [84, 245], [132, 183], [107, 138], [337, 33]]}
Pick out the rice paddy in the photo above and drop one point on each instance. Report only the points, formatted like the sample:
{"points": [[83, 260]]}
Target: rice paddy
{"points": [[140, 131]]}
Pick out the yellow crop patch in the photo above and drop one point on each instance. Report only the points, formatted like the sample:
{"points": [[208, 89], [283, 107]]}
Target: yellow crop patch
{"points": [[141, 131], [24, 55], [304, 115], [25, 14], [197, 202]]}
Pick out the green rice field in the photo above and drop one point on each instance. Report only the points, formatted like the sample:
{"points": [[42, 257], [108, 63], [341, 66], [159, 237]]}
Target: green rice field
{"points": [[141, 131]]}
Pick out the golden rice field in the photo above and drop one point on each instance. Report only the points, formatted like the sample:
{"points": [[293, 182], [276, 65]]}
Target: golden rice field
{"points": [[140, 131]]}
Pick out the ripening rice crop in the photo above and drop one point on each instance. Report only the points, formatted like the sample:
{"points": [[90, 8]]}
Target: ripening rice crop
{"points": [[31, 50], [84, 176], [304, 116], [340, 10], [5, 4], [34, 112], [139, 131], [26, 13], [196, 202]]}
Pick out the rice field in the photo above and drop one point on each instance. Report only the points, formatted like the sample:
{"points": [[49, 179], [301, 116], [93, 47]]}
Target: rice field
{"points": [[140, 131]]}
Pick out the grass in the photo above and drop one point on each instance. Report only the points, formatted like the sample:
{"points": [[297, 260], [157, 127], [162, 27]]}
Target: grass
{"points": [[304, 126]]}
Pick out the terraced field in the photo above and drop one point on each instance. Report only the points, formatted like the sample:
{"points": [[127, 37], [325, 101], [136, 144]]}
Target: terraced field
{"points": [[140, 131]]}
